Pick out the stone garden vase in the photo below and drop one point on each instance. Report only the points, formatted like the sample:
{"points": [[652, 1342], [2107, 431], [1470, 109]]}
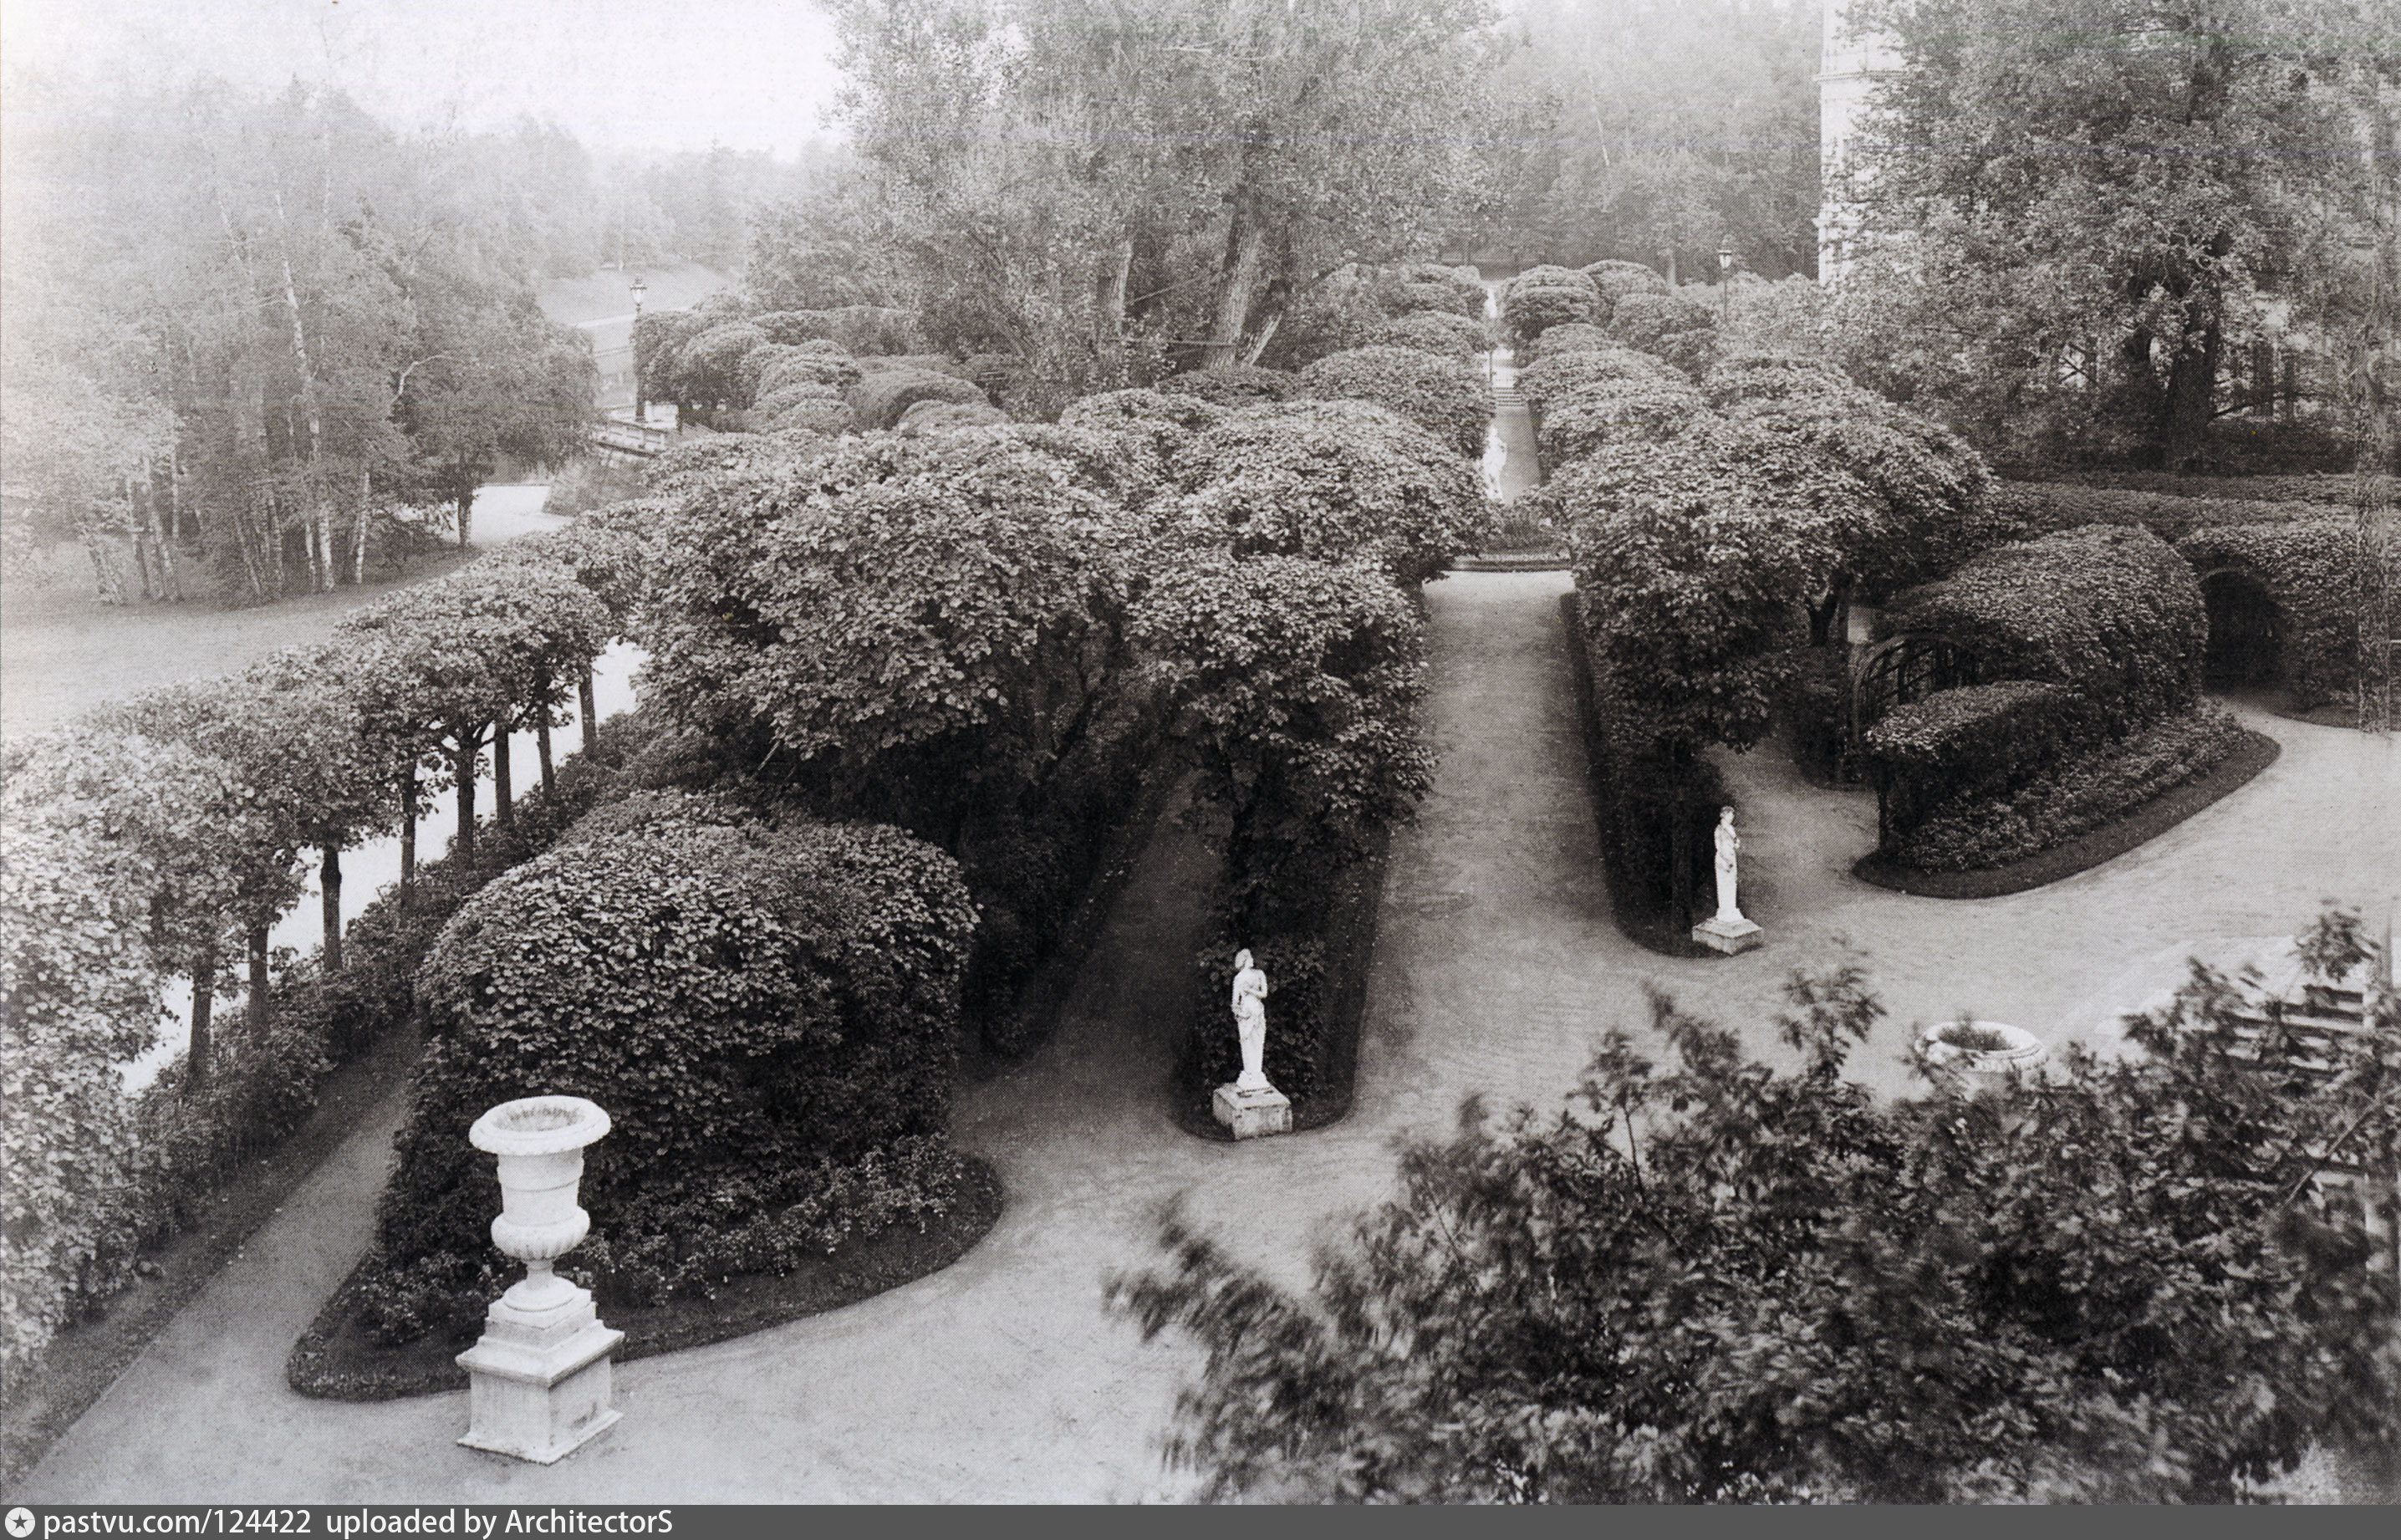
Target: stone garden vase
{"points": [[539, 1143]]}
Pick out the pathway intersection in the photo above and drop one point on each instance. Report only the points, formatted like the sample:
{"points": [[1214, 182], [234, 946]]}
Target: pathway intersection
{"points": [[1496, 967]]}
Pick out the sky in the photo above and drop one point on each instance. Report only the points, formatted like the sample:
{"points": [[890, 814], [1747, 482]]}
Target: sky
{"points": [[630, 75]]}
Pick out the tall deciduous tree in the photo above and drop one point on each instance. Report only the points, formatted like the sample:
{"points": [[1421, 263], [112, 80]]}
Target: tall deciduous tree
{"points": [[2076, 208]]}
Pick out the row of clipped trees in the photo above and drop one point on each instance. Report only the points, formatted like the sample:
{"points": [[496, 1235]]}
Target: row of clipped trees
{"points": [[908, 683], [166, 834]]}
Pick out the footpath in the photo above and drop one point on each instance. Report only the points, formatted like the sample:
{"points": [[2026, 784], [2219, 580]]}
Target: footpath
{"points": [[1003, 1378]]}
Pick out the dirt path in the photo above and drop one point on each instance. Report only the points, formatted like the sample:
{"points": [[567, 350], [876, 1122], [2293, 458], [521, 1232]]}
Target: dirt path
{"points": [[1497, 966]]}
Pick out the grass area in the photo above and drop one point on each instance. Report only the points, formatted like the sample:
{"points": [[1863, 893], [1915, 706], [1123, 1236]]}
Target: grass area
{"points": [[2139, 826], [334, 1359]]}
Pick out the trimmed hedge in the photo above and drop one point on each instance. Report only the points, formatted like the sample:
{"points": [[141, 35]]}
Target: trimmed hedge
{"points": [[2091, 787], [1443, 331], [2322, 487], [779, 366], [2038, 507], [2114, 612], [1573, 337], [2305, 565], [1572, 426], [938, 416], [1644, 320], [1539, 298], [1337, 480], [1234, 385], [1616, 280], [1557, 374], [765, 1013], [1445, 396], [1432, 286], [879, 400], [1977, 741]]}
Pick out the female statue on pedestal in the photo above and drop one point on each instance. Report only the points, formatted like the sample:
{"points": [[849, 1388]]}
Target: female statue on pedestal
{"points": [[1251, 1021], [1728, 844]]}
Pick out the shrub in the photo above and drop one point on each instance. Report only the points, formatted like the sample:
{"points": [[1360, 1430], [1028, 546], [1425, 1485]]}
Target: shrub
{"points": [[1555, 374], [2094, 785], [1447, 398], [1341, 312], [1443, 331], [935, 417], [1333, 480], [1184, 409], [1694, 351], [1235, 385], [1977, 740], [748, 1004], [1539, 298], [1573, 337], [2042, 506], [857, 329], [593, 482], [2112, 612], [714, 369], [880, 399], [2306, 565], [1616, 280], [1748, 376], [1432, 286], [1643, 320], [781, 367], [1579, 422]]}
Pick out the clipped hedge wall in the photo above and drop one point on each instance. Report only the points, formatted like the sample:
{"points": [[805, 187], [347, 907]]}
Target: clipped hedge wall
{"points": [[1574, 337], [2114, 612], [2040, 507], [755, 1007], [1644, 320], [1556, 374], [1432, 286], [2092, 786], [1445, 396], [2305, 565], [1977, 740]]}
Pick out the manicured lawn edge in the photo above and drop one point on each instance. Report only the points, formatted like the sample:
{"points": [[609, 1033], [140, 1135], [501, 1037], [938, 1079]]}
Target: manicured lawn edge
{"points": [[334, 1361], [1354, 910], [2255, 753], [85, 1358], [1653, 933]]}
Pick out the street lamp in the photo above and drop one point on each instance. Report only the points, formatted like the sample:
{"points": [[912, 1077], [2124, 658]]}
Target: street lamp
{"points": [[640, 289], [1725, 285]]}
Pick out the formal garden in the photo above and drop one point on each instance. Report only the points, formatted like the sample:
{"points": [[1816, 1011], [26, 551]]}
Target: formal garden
{"points": [[1074, 594]]}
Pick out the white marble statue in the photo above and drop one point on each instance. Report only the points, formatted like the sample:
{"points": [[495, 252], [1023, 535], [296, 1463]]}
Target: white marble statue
{"points": [[1729, 844], [1251, 1021]]}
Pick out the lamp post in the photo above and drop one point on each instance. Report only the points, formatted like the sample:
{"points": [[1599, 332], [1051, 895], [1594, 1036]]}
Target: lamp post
{"points": [[640, 289], [1725, 285]]}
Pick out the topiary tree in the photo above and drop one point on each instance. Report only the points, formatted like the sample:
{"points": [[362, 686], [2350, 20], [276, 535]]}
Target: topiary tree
{"points": [[1445, 396], [1333, 480], [1539, 298], [759, 1009], [1715, 1279], [1444, 332], [1294, 685]]}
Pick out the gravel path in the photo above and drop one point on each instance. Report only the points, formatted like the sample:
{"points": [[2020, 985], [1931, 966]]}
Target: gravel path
{"points": [[1496, 967]]}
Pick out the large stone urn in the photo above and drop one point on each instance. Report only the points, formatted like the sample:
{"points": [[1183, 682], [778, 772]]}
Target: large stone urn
{"points": [[540, 1373], [1985, 1055]]}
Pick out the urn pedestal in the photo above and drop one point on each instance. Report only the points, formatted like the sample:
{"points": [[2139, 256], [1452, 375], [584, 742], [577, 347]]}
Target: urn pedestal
{"points": [[1252, 1112], [1985, 1055], [539, 1376]]}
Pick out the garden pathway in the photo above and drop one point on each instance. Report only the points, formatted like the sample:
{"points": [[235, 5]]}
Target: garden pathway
{"points": [[1002, 1377]]}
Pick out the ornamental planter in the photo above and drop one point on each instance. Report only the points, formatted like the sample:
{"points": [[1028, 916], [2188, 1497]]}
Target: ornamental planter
{"points": [[540, 1373], [1986, 1055]]}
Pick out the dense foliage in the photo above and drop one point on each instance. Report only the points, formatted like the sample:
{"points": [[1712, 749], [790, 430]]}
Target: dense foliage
{"points": [[1713, 1280], [2307, 567], [1445, 396], [2079, 790], [1541, 297], [2112, 612], [750, 1004]]}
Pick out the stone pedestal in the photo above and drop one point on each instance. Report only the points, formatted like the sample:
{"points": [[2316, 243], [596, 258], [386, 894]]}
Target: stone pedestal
{"points": [[1727, 935], [1252, 1114], [540, 1375]]}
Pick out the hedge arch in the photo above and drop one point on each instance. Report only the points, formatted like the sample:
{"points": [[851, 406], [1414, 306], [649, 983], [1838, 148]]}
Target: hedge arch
{"points": [[2247, 629], [1905, 669]]}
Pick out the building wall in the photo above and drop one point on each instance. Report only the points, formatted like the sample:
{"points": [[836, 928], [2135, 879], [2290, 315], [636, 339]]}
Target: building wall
{"points": [[1849, 67]]}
